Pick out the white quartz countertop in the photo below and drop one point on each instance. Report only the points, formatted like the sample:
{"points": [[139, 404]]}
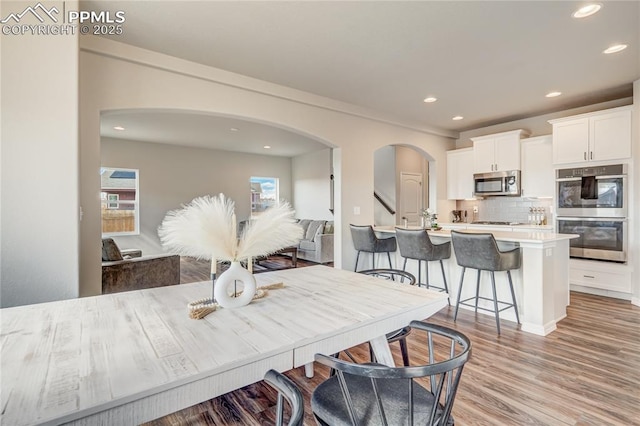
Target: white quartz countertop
{"points": [[507, 236]]}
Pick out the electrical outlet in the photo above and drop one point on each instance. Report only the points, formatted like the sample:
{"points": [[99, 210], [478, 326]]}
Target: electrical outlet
{"points": [[475, 209], [356, 210]]}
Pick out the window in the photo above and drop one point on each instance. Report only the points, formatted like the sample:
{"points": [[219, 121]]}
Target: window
{"points": [[264, 194], [119, 201]]}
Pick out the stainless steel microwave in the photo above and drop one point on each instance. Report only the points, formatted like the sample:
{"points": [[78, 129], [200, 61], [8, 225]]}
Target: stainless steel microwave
{"points": [[497, 184]]}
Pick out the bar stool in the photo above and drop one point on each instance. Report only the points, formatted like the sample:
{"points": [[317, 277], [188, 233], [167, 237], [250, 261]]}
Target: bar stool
{"points": [[480, 251], [364, 239], [415, 244]]}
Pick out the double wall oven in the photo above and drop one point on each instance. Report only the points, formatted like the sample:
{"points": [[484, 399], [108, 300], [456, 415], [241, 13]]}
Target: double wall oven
{"points": [[592, 203]]}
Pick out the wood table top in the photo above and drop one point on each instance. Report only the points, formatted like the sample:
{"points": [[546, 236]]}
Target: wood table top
{"points": [[73, 359]]}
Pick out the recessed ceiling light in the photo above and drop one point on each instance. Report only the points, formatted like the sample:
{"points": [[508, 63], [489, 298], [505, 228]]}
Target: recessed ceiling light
{"points": [[267, 147], [587, 10], [118, 128], [233, 129], [553, 94], [615, 48], [430, 99], [457, 117]]}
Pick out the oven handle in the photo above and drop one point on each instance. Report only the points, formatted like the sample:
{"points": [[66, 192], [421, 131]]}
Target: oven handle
{"points": [[574, 179], [593, 219]]}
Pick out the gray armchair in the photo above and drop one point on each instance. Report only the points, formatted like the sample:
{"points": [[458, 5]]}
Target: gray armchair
{"points": [[135, 273]]}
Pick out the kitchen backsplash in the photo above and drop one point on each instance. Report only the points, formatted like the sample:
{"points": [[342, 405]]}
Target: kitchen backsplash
{"points": [[507, 209]]}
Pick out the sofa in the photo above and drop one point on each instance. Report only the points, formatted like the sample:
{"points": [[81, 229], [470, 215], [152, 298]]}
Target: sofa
{"points": [[316, 244], [132, 271]]}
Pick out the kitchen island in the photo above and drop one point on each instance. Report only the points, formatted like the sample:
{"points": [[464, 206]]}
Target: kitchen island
{"points": [[541, 284]]}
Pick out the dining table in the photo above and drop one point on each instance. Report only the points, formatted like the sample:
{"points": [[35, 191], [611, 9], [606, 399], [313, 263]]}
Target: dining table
{"points": [[131, 357]]}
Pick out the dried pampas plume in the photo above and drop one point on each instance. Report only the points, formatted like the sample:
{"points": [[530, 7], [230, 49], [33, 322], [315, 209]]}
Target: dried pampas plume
{"points": [[206, 228]]}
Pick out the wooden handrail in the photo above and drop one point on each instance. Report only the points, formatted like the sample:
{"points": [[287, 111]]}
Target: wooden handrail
{"points": [[384, 204]]}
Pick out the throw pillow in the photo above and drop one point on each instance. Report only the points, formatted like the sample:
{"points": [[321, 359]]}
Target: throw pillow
{"points": [[313, 228]]}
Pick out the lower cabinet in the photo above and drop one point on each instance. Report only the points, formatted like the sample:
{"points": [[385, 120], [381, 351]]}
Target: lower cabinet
{"points": [[591, 274]]}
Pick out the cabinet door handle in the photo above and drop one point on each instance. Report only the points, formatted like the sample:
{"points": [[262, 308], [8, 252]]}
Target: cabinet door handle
{"points": [[591, 155], [585, 155], [588, 276]]}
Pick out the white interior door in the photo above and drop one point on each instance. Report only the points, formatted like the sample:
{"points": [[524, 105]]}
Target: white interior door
{"points": [[410, 197]]}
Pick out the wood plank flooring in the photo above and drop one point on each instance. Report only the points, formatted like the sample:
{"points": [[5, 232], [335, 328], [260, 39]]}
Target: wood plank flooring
{"points": [[587, 372]]}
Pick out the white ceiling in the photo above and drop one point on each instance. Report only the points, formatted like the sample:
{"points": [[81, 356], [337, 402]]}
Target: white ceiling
{"points": [[490, 62]]}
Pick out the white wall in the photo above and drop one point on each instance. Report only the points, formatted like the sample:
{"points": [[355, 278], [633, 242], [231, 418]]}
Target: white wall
{"points": [[172, 175], [384, 183], [310, 174], [39, 183], [634, 227]]}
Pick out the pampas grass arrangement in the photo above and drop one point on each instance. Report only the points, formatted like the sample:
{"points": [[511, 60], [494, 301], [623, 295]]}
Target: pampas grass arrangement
{"points": [[206, 229]]}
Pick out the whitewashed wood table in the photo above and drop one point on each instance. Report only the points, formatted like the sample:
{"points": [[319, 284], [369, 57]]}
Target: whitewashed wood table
{"points": [[127, 358]]}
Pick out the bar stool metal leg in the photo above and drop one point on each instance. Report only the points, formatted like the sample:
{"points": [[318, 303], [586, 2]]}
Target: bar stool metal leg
{"points": [[455, 314], [389, 257], [495, 301], [513, 296], [478, 289], [357, 258]]}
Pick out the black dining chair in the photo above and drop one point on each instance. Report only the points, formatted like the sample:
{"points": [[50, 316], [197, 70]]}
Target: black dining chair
{"points": [[400, 335], [375, 394], [287, 390], [365, 240]]}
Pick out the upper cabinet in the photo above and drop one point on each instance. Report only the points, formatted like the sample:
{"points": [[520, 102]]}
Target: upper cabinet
{"points": [[460, 174], [597, 136], [537, 170], [497, 152]]}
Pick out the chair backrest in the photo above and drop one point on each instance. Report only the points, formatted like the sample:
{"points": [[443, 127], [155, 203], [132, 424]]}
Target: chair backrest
{"points": [[378, 394], [392, 275], [364, 239], [289, 391], [478, 251], [414, 243]]}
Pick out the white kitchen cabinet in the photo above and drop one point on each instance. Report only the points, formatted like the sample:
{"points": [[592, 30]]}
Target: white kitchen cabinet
{"points": [[497, 152], [537, 168], [460, 174], [598, 136], [603, 276]]}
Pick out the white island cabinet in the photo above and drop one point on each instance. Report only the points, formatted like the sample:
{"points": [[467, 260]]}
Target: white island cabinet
{"points": [[541, 284]]}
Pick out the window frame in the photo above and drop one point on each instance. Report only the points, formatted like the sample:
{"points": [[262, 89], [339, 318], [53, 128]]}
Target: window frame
{"points": [[114, 201]]}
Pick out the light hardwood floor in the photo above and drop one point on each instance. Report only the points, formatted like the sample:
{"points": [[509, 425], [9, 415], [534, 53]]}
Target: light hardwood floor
{"points": [[587, 372]]}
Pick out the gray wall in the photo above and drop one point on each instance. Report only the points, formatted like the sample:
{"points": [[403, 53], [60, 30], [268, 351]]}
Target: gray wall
{"points": [[172, 175]]}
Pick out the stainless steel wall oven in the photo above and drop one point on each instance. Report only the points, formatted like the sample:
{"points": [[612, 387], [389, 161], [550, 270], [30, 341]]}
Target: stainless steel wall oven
{"points": [[592, 202]]}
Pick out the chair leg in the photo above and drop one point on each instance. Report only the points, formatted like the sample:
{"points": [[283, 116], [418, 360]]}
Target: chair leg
{"points": [[478, 289], [373, 256], [404, 265], [357, 258], [444, 279], [404, 351], [426, 272], [455, 314], [419, 273], [513, 296], [389, 257], [495, 301]]}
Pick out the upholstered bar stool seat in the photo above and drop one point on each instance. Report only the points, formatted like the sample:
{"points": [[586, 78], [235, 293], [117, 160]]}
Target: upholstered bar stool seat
{"points": [[365, 240], [415, 244], [481, 252]]}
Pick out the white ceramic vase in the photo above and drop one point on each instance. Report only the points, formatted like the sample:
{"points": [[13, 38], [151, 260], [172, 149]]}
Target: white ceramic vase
{"points": [[236, 277]]}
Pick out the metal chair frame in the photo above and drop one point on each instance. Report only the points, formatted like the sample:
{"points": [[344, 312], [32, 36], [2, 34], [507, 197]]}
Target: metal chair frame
{"points": [[289, 391], [444, 378], [400, 335]]}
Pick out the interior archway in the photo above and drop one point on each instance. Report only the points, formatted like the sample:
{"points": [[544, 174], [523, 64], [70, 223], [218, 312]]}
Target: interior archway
{"points": [[399, 170]]}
